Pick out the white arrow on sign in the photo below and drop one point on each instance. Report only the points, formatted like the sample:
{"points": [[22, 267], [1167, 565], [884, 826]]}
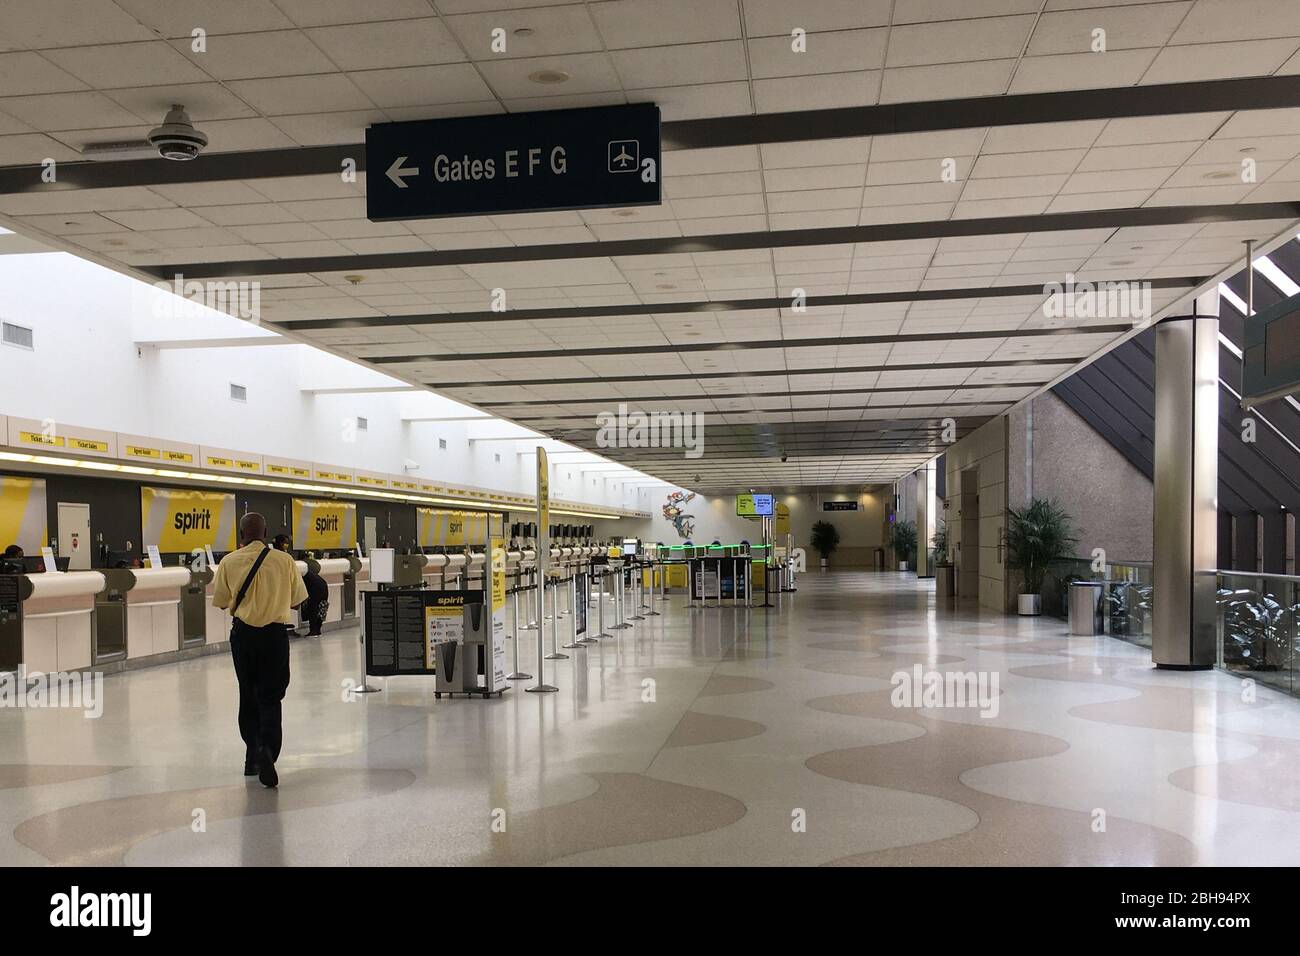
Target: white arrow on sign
{"points": [[397, 171]]}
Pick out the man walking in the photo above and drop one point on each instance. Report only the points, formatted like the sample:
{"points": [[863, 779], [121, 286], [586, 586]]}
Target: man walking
{"points": [[260, 586]]}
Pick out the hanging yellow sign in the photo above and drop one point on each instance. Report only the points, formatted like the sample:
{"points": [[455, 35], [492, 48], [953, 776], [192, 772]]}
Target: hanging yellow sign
{"points": [[324, 525], [781, 520], [436, 528], [180, 520], [22, 514]]}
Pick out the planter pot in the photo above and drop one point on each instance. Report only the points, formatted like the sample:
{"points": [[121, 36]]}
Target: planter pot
{"points": [[823, 564], [902, 565], [1030, 605]]}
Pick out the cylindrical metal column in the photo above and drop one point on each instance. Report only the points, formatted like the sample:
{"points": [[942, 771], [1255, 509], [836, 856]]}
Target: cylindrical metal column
{"points": [[1185, 488]]}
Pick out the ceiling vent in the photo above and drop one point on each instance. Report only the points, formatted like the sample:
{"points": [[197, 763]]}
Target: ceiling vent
{"points": [[19, 336], [238, 393]]}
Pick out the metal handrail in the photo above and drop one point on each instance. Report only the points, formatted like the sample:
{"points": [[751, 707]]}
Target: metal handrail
{"points": [[1257, 574]]}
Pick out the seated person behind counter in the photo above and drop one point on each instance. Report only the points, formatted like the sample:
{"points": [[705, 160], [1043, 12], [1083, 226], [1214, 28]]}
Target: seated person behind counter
{"points": [[12, 562]]}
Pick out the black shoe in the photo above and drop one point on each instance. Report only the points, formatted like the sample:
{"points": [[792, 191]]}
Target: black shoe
{"points": [[250, 763], [266, 770]]}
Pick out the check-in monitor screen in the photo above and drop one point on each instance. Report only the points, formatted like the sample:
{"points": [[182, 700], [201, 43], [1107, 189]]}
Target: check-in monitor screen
{"points": [[754, 506]]}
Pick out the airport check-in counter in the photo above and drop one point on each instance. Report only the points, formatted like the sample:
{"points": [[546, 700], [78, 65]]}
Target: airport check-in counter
{"points": [[341, 575], [47, 621], [216, 620], [137, 613], [194, 609]]}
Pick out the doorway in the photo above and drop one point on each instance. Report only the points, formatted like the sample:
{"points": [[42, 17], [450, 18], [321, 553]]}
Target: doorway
{"points": [[74, 535]]}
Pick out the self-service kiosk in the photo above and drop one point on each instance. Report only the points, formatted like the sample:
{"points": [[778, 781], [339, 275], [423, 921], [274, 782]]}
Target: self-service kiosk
{"points": [[47, 621]]}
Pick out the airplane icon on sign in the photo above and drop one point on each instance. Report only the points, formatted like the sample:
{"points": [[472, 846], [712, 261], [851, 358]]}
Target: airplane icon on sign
{"points": [[624, 161]]}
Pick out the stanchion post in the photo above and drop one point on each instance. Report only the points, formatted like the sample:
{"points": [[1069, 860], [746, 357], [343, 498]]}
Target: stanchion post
{"points": [[516, 674], [555, 654]]}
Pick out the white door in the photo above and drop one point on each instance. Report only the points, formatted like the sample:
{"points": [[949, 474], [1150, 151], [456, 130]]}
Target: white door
{"points": [[74, 535], [369, 535]]}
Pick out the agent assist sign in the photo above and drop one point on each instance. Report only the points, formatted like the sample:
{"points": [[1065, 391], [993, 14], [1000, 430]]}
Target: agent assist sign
{"points": [[522, 162]]}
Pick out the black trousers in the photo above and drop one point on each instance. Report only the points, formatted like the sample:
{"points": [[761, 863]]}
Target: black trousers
{"points": [[261, 657], [315, 616]]}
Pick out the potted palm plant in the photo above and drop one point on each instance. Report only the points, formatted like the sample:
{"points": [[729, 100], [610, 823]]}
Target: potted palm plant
{"points": [[944, 573], [904, 542], [1039, 534], [825, 539]]}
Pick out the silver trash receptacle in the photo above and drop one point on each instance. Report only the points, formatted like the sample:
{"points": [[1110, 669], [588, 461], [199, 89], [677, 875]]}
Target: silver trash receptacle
{"points": [[1085, 608]]}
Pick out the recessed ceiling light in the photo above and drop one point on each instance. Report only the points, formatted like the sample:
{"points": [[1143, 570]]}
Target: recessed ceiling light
{"points": [[1220, 174], [625, 213], [354, 279], [549, 77], [523, 31], [1122, 262], [665, 285], [1247, 149]]}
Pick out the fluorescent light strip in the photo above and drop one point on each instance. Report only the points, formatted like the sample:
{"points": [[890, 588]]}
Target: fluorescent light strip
{"points": [[1232, 297], [96, 465], [1269, 270]]}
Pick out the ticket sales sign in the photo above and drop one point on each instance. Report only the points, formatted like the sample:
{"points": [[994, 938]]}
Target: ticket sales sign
{"points": [[518, 162]]}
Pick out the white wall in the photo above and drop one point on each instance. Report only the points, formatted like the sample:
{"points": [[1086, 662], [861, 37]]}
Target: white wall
{"points": [[87, 370]]}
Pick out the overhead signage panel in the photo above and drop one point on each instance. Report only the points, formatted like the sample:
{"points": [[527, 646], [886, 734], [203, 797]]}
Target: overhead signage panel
{"points": [[754, 506], [1270, 363], [519, 162]]}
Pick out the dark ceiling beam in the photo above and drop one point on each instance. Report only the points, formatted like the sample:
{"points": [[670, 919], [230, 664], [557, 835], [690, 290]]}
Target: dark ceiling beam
{"points": [[1165, 99], [628, 399], [722, 305], [535, 354], [761, 373], [732, 241]]}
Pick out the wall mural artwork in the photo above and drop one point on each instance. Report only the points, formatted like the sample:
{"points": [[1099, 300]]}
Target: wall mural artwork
{"points": [[674, 511]]}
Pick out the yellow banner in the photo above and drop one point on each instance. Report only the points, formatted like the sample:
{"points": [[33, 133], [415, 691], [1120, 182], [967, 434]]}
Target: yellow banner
{"points": [[179, 520], [498, 573], [781, 520], [436, 528], [543, 510], [324, 525], [22, 514]]}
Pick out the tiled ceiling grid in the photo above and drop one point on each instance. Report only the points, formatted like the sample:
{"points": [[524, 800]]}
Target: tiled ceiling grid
{"points": [[300, 73]]}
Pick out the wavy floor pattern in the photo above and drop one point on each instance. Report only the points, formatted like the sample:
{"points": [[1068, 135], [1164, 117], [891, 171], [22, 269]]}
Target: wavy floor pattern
{"points": [[698, 737]]}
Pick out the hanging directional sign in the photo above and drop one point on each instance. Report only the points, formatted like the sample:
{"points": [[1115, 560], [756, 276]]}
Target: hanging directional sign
{"points": [[1270, 364], [518, 162]]}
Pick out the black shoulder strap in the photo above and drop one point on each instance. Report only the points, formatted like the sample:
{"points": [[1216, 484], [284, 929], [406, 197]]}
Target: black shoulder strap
{"points": [[248, 579]]}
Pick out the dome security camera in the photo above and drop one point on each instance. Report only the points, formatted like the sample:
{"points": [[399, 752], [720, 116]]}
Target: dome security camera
{"points": [[177, 138]]}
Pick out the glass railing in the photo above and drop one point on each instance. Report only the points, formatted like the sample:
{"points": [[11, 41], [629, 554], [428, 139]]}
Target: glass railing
{"points": [[1258, 614], [1126, 598], [1258, 628]]}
